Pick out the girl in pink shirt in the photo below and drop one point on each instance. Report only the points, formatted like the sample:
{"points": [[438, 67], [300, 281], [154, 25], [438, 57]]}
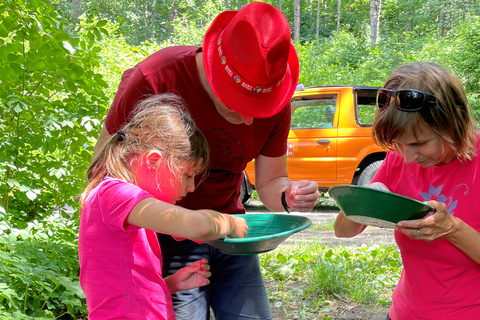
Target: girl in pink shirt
{"points": [[425, 120], [134, 183]]}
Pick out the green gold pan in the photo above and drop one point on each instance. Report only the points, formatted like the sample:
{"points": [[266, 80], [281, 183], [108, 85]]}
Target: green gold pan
{"points": [[265, 233], [375, 207]]}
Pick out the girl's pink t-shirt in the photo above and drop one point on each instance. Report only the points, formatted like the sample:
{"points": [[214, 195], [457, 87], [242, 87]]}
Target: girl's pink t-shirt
{"points": [[120, 264], [438, 280]]}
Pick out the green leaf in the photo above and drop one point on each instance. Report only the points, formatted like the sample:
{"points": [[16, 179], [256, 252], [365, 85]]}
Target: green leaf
{"points": [[71, 285], [31, 195], [69, 47], [60, 173], [383, 302], [12, 57], [102, 23], [12, 183]]}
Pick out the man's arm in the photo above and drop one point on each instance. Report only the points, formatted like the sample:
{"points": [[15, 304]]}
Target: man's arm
{"points": [[271, 179]]}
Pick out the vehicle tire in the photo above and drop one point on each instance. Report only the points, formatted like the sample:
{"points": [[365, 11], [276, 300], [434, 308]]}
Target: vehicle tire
{"points": [[244, 195], [367, 174]]}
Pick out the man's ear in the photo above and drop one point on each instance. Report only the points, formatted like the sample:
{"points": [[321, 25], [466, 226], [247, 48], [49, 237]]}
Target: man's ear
{"points": [[152, 160]]}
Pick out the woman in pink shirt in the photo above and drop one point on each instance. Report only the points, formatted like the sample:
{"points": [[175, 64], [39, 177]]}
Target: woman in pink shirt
{"points": [[425, 120], [134, 183]]}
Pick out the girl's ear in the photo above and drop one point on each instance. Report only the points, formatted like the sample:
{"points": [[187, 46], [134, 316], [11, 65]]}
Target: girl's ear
{"points": [[152, 159]]}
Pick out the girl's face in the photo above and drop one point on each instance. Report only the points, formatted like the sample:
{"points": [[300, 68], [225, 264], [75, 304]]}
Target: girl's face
{"points": [[427, 151], [164, 184], [170, 187]]}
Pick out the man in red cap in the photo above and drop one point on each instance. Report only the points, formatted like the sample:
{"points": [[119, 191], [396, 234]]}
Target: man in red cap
{"points": [[237, 87]]}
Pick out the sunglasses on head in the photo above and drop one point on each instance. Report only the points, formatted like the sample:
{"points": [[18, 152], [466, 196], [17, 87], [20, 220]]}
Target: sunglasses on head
{"points": [[408, 100]]}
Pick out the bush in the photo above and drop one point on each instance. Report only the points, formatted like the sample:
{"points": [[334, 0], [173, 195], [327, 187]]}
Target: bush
{"points": [[39, 271], [50, 97]]}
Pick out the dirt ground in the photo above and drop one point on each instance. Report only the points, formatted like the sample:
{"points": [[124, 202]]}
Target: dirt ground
{"points": [[338, 309]]}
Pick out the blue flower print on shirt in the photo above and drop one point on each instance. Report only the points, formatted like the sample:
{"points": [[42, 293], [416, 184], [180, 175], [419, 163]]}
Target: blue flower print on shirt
{"points": [[434, 194]]}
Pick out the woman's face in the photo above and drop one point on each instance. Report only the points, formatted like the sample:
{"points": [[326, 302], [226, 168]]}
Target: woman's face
{"points": [[427, 151]]}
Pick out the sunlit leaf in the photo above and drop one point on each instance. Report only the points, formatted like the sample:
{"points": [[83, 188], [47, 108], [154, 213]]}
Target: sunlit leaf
{"points": [[31, 195], [69, 47]]}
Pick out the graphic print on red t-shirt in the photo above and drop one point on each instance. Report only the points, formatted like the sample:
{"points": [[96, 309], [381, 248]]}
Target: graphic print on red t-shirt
{"points": [[226, 152]]}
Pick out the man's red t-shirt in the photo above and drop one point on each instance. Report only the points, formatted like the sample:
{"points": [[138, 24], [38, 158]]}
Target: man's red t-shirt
{"points": [[174, 70]]}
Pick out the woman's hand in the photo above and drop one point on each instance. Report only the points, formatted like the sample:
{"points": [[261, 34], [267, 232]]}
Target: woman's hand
{"points": [[438, 225], [189, 277]]}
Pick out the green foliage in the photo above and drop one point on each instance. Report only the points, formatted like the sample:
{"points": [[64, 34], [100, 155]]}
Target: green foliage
{"points": [[153, 21], [115, 57], [58, 76], [39, 271], [365, 275], [362, 274], [50, 97], [341, 59]]}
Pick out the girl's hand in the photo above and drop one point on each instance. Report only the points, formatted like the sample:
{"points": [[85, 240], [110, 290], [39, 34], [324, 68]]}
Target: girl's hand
{"points": [[440, 224], [189, 277], [239, 227]]}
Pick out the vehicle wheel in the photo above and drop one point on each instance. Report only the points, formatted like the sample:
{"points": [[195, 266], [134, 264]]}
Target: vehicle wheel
{"points": [[244, 195], [367, 174]]}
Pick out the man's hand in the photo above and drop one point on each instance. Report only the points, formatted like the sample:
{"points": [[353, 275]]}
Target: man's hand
{"points": [[302, 195], [189, 277]]}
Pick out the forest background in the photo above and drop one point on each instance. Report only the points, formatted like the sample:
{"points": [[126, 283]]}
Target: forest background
{"points": [[60, 65]]}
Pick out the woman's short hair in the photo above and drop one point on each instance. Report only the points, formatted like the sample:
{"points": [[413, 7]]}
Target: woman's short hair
{"points": [[451, 118]]}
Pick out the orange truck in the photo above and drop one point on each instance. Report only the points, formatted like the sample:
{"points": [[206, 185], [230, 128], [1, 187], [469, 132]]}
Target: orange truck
{"points": [[330, 139]]}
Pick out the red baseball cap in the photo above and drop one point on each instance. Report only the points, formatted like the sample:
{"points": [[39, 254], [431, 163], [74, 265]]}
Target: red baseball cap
{"points": [[250, 61]]}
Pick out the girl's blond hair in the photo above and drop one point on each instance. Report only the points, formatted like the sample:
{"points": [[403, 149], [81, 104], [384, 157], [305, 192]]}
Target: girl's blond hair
{"points": [[451, 118], [159, 122]]}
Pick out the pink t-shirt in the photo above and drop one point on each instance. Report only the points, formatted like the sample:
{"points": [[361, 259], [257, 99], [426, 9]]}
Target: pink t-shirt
{"points": [[120, 265], [232, 146], [438, 280]]}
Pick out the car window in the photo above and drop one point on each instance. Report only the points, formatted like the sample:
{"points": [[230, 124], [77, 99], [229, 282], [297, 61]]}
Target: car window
{"points": [[366, 107], [365, 114], [314, 112]]}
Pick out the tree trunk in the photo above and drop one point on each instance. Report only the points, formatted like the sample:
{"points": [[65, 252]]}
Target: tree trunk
{"points": [[296, 20], [152, 19], [173, 12], [76, 7], [325, 8], [339, 6], [280, 5], [317, 32], [409, 22], [145, 20], [375, 7], [137, 22], [239, 4]]}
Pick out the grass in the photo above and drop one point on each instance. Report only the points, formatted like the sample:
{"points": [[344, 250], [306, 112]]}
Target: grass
{"points": [[323, 201], [309, 278], [314, 280], [323, 226]]}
